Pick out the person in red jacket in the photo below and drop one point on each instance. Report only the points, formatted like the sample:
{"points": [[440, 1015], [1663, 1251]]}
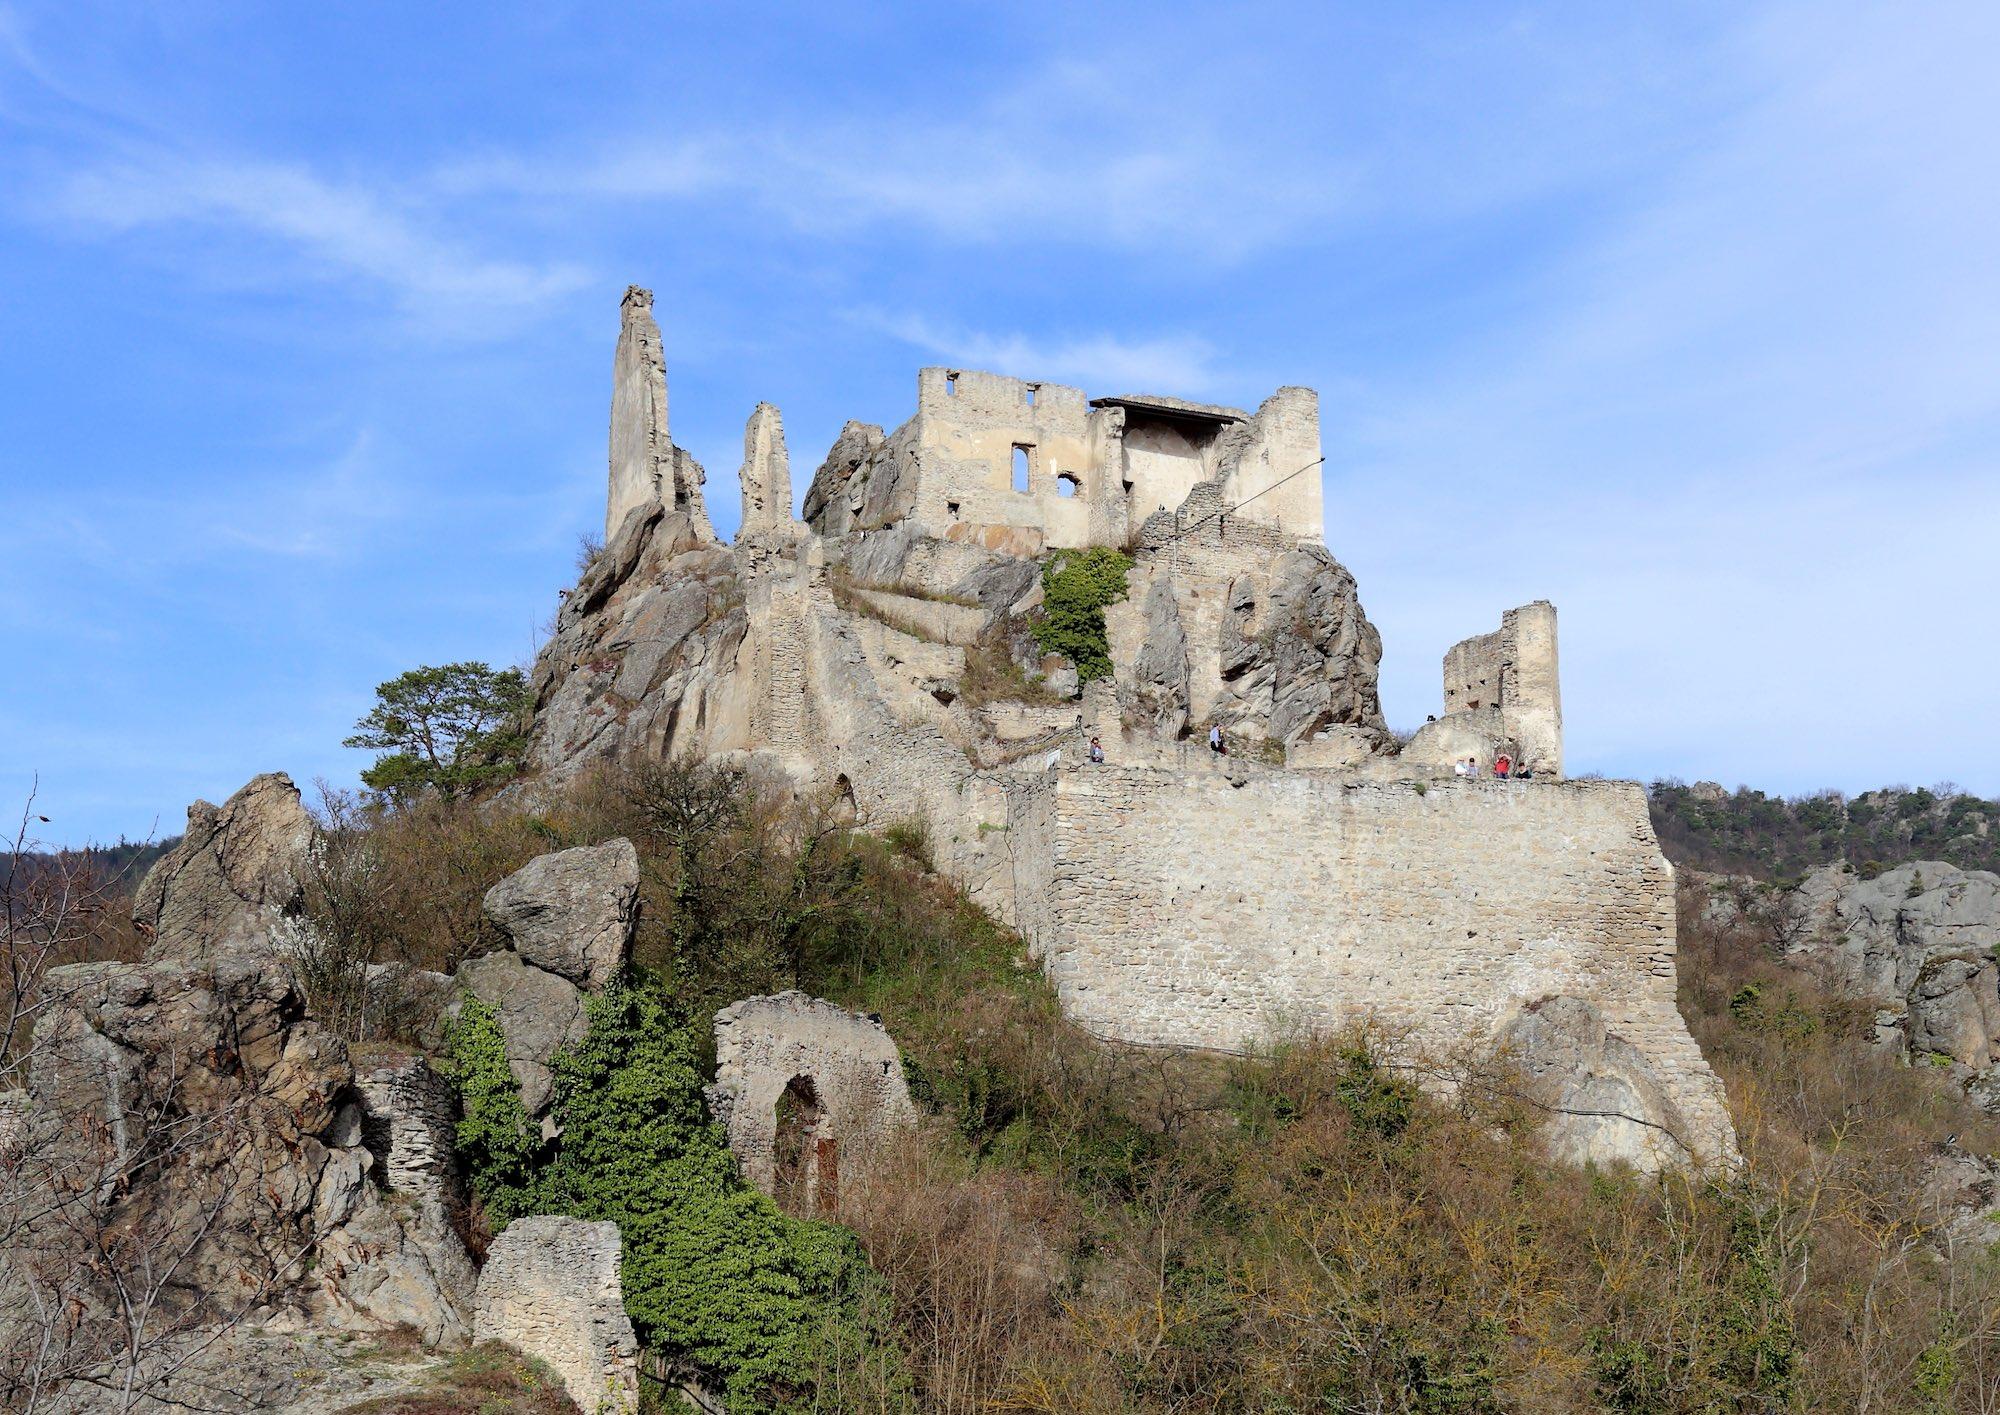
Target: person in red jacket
{"points": [[1502, 767]]}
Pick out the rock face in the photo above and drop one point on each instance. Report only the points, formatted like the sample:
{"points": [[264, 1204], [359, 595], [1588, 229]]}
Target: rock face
{"points": [[1921, 939], [1160, 673], [1607, 1102], [572, 912], [220, 1122], [570, 916], [539, 1013], [806, 1090], [550, 1290], [234, 874]]}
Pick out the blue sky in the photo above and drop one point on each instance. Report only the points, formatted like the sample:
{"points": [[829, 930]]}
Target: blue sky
{"points": [[1684, 317]]}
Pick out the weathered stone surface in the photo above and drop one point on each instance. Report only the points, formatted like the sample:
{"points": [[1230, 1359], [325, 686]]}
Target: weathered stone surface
{"points": [[641, 448], [407, 1120], [1439, 912], [539, 1013], [550, 1290], [572, 911], [234, 873], [1920, 939], [391, 1265], [836, 1073], [1160, 673], [766, 474], [1604, 1100]]}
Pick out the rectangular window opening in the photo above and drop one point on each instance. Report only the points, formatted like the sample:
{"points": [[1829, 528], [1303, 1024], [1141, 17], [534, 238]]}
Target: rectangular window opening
{"points": [[1020, 467], [1032, 390], [951, 385]]}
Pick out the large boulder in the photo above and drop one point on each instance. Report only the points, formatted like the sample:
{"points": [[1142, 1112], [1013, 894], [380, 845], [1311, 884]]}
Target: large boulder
{"points": [[550, 1290], [235, 873], [572, 912], [1604, 1101], [539, 1013]]}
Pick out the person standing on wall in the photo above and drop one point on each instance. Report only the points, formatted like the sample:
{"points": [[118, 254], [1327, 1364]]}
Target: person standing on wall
{"points": [[1503, 767], [1215, 742]]}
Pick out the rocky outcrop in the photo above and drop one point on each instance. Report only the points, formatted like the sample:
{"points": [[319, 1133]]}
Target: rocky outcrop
{"points": [[1324, 656], [1603, 1099], [1921, 939], [645, 655], [1160, 672], [194, 1108], [807, 1090], [570, 916], [235, 873], [550, 1290], [571, 912]]}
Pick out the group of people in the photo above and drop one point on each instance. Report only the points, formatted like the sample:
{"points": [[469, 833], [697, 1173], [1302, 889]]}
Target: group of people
{"points": [[1504, 768]]}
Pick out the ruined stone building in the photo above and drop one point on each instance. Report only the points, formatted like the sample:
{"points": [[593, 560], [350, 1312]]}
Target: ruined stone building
{"points": [[877, 649]]}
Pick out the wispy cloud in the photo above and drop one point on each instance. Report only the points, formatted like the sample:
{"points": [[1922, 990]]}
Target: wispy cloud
{"points": [[1178, 362], [333, 230]]}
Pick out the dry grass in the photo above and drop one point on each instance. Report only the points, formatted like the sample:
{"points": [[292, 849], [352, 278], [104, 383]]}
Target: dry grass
{"points": [[488, 1379]]}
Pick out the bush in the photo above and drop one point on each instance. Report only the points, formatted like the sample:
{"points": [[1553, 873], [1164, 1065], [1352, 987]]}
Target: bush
{"points": [[1077, 586]]}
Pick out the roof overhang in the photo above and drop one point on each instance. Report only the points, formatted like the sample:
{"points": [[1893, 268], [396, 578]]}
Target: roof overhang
{"points": [[1173, 409]]}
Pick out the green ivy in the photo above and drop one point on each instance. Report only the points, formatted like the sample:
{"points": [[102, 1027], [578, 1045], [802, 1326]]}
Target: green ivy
{"points": [[715, 1276], [495, 1142], [1077, 585]]}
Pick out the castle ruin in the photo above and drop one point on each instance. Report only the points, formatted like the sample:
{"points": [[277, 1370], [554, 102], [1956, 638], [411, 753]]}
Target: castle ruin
{"points": [[878, 648]]}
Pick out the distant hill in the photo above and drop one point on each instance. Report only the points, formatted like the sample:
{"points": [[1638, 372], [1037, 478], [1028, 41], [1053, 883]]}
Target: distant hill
{"points": [[122, 865], [1779, 838]]}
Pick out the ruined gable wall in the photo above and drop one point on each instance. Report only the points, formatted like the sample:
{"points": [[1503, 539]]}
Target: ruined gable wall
{"points": [[1188, 910], [968, 425], [1258, 460]]}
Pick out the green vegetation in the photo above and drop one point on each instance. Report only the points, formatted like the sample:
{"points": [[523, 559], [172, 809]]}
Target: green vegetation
{"points": [[451, 729], [1077, 586], [1775, 838], [716, 1279]]}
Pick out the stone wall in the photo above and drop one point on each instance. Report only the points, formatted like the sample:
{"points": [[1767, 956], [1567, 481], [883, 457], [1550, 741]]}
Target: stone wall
{"points": [[839, 1072], [409, 1126], [1222, 911], [1516, 670], [550, 1290]]}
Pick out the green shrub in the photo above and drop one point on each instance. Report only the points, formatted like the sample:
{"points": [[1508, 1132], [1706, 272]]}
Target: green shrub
{"points": [[1077, 585], [495, 1142]]}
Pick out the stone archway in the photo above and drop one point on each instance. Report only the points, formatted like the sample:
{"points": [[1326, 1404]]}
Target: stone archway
{"points": [[800, 1148]]}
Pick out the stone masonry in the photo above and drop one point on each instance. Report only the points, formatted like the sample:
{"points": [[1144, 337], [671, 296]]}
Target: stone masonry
{"points": [[836, 1071], [550, 1290]]}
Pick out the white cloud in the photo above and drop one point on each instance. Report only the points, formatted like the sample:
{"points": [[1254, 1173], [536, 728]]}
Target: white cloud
{"points": [[329, 229]]}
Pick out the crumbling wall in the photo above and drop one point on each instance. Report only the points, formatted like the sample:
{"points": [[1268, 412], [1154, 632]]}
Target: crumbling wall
{"points": [[1516, 670], [836, 1072], [1268, 465], [550, 1290], [1193, 909], [409, 1124], [968, 427]]}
